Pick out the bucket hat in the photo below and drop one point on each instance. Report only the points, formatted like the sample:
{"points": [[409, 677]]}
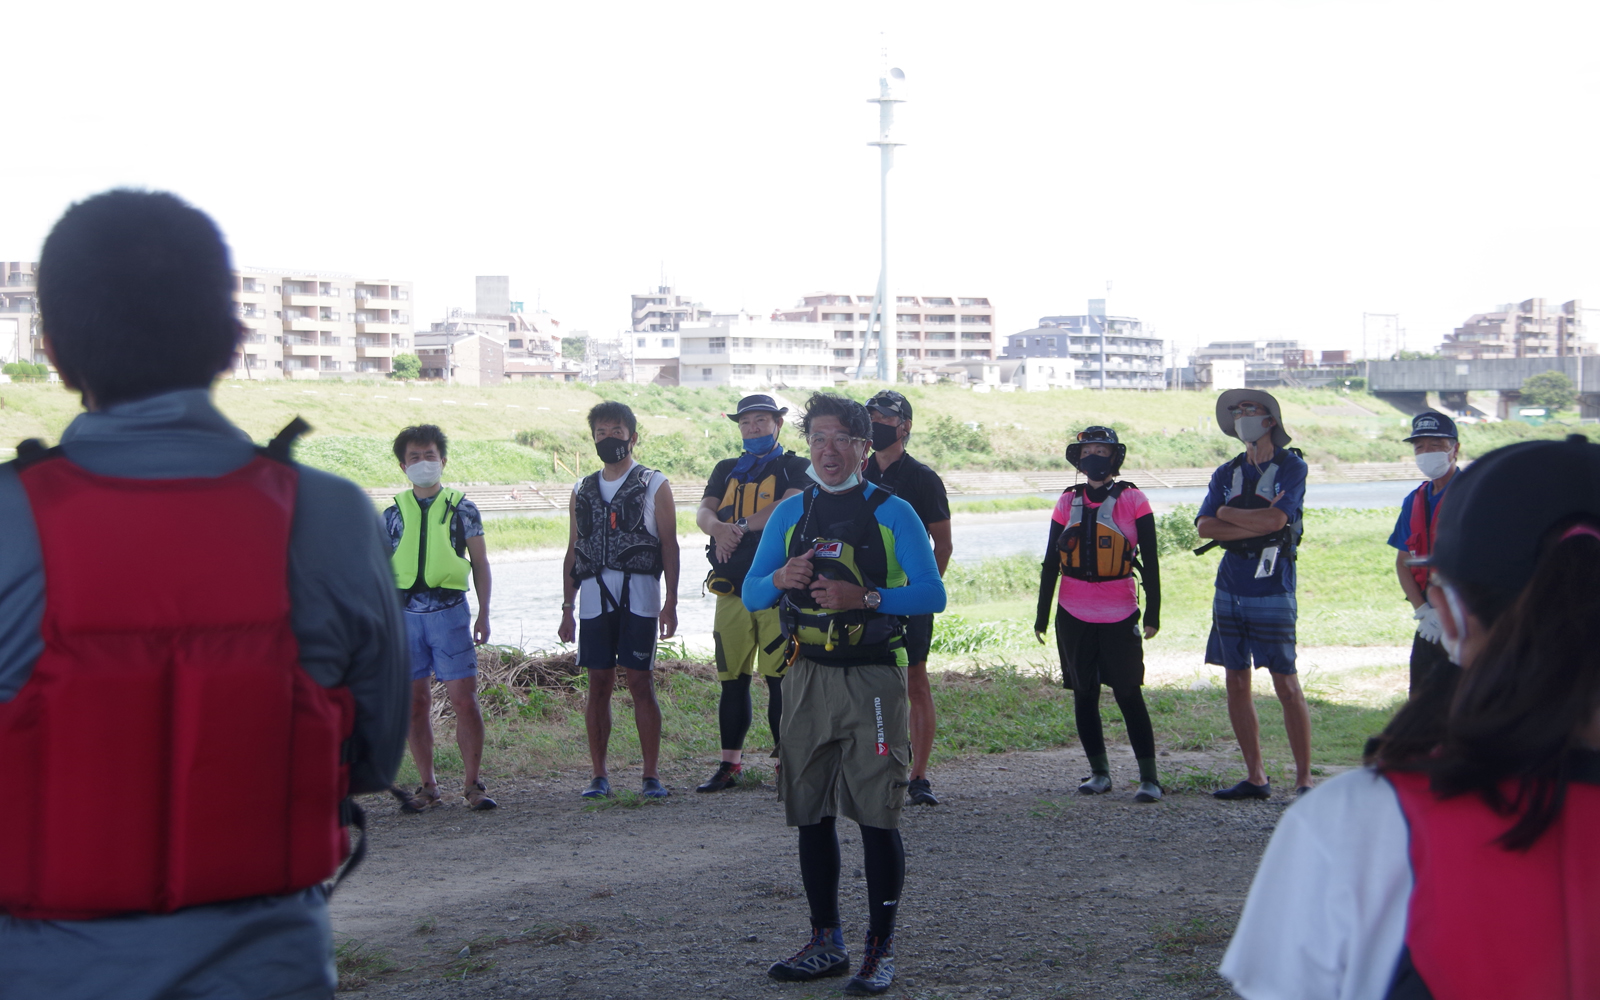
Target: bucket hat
{"points": [[1233, 397], [758, 403]]}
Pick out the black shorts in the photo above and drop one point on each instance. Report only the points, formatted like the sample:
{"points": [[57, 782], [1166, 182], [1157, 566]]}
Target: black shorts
{"points": [[919, 638], [617, 638], [1425, 658], [1096, 653]]}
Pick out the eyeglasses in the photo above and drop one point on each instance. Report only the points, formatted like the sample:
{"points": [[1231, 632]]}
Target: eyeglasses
{"points": [[1247, 410], [1100, 436], [840, 442]]}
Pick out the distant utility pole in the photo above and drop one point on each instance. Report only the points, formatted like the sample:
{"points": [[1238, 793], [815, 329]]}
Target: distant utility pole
{"points": [[1365, 353], [883, 304]]}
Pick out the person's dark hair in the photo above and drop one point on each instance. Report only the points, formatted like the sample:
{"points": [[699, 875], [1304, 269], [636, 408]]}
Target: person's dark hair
{"points": [[613, 410], [1516, 715], [849, 412], [136, 296], [421, 434]]}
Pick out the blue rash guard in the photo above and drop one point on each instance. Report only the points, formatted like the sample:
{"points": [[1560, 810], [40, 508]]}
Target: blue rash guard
{"points": [[914, 586]]}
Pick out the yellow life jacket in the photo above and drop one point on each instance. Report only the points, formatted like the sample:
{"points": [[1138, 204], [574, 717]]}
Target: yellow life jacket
{"points": [[743, 497], [1094, 529], [425, 559]]}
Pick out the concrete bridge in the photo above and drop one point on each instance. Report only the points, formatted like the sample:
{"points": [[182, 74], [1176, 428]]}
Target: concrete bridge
{"points": [[1406, 384]]}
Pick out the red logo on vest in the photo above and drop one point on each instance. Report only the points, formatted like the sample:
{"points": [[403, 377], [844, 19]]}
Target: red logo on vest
{"points": [[829, 550], [168, 749]]}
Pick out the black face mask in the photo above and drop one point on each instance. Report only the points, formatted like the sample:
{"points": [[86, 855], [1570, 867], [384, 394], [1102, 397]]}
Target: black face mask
{"points": [[884, 436], [1095, 467], [611, 450]]}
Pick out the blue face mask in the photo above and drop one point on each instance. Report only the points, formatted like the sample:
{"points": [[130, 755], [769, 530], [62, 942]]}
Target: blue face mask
{"points": [[760, 445]]}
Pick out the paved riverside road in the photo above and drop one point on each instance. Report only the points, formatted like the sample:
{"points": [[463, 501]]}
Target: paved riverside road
{"points": [[527, 592]]}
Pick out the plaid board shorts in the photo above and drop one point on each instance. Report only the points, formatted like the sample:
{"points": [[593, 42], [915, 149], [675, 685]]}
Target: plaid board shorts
{"points": [[1252, 628]]}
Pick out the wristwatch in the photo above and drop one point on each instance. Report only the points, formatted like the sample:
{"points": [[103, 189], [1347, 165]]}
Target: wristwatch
{"points": [[871, 599], [743, 522]]}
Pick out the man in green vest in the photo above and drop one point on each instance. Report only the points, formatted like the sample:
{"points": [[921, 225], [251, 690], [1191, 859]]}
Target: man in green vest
{"points": [[437, 535]]}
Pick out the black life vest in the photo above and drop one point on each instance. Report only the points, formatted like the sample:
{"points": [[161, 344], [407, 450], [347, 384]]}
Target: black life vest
{"points": [[746, 495], [852, 551], [1287, 537], [614, 535], [1094, 529]]}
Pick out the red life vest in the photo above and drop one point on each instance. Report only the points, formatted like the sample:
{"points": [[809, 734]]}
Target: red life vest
{"points": [[1420, 542], [168, 749], [1490, 924]]}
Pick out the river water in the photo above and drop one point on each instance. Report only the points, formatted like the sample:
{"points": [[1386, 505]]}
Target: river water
{"points": [[527, 593]]}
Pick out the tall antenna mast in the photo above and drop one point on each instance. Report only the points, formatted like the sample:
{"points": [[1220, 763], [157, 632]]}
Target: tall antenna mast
{"points": [[890, 85]]}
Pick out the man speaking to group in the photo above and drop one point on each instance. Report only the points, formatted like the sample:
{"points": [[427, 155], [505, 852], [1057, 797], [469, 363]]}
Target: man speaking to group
{"points": [[844, 562]]}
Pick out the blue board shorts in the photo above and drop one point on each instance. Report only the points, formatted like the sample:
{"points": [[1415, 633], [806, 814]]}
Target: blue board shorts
{"points": [[617, 638], [1253, 628], [441, 643]]}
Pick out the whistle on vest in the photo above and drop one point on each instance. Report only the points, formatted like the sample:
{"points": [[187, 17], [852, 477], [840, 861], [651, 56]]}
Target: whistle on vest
{"points": [[613, 520]]}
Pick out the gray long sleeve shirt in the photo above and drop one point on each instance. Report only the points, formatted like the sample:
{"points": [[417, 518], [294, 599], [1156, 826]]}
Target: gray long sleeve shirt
{"points": [[348, 623]]}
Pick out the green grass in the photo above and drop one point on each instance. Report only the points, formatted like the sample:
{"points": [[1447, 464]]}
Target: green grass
{"points": [[510, 534], [520, 429], [991, 709], [1002, 505]]}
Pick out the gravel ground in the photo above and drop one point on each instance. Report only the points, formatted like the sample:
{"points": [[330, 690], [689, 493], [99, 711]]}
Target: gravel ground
{"points": [[1016, 887]]}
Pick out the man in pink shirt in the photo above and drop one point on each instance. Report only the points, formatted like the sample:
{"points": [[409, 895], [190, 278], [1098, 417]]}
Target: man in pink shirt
{"points": [[1095, 532]]}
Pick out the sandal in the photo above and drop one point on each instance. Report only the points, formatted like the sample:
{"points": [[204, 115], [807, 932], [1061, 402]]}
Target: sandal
{"points": [[424, 798], [477, 796]]}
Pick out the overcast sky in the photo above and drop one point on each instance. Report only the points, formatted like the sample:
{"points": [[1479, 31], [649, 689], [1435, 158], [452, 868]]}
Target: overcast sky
{"points": [[1235, 169]]}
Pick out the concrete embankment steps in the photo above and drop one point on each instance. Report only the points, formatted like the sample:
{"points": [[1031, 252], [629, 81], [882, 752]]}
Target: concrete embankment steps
{"points": [[535, 497]]}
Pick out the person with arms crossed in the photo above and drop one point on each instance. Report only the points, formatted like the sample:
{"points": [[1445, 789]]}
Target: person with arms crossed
{"points": [[922, 488], [1095, 532], [740, 496], [622, 538], [1252, 509], [1433, 436], [437, 537], [201, 655], [844, 562], [1460, 862]]}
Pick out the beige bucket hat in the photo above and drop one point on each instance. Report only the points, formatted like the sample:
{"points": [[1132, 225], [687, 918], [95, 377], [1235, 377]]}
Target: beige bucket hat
{"points": [[1233, 397]]}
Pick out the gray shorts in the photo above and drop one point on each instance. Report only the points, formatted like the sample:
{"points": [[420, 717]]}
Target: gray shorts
{"points": [[846, 745]]}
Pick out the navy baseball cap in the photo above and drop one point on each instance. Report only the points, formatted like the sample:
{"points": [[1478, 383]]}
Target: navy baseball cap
{"points": [[890, 404], [1495, 519], [1432, 424], [759, 403]]}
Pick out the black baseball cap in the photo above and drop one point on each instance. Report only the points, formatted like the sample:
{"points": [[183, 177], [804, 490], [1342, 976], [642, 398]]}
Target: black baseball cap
{"points": [[890, 404], [1432, 424], [1495, 518], [759, 403]]}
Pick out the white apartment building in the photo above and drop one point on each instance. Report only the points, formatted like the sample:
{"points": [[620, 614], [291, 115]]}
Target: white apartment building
{"points": [[941, 329], [19, 311], [308, 324], [752, 352], [663, 311], [1248, 351]]}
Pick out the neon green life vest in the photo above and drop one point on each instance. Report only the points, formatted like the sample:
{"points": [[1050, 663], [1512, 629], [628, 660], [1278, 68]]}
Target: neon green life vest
{"points": [[424, 558]]}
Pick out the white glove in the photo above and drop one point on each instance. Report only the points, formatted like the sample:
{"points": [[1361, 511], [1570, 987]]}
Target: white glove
{"points": [[1428, 627]]}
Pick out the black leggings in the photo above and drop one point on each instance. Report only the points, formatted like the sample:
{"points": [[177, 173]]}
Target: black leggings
{"points": [[1086, 709], [734, 711], [883, 861]]}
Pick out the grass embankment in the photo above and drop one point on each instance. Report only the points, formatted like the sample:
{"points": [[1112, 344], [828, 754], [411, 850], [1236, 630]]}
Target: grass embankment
{"points": [[1348, 593], [515, 433], [1004, 693]]}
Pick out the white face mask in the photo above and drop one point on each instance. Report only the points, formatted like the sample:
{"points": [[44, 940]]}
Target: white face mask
{"points": [[424, 474], [1434, 464], [849, 484], [1250, 429]]}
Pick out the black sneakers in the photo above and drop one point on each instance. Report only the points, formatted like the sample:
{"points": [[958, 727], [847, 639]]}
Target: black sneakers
{"points": [[1244, 790], [920, 793], [726, 777]]}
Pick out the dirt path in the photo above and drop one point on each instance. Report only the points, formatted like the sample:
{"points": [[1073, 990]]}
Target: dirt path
{"points": [[1015, 888]]}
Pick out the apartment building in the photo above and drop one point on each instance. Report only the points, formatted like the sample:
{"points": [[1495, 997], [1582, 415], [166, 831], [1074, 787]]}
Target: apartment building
{"points": [[1525, 329], [19, 313], [462, 357], [751, 351], [936, 329], [663, 311], [1133, 358], [308, 324]]}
